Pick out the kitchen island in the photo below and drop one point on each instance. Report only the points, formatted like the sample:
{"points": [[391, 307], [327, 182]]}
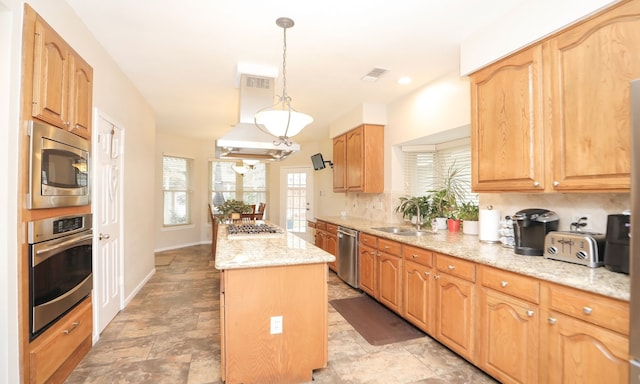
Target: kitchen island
{"points": [[273, 308]]}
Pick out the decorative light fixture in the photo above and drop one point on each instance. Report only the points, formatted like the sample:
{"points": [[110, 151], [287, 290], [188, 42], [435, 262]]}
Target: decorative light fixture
{"points": [[281, 120], [247, 165]]}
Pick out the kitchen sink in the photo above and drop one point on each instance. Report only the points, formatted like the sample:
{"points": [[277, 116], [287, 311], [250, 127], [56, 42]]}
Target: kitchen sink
{"points": [[401, 231]]}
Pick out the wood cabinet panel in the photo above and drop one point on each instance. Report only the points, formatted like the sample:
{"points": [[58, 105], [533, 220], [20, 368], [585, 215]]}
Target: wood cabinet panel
{"points": [[80, 96], [507, 124], [456, 267], [368, 240], [512, 284], [390, 281], [455, 314], [359, 160], [389, 246], [368, 269], [340, 164], [418, 307], [417, 255]]}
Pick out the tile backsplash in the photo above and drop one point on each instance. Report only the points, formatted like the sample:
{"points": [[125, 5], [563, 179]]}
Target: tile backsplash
{"points": [[596, 206]]}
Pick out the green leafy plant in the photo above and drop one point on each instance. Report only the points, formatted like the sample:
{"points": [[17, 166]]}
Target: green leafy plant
{"points": [[408, 207], [468, 211], [445, 199], [231, 206]]}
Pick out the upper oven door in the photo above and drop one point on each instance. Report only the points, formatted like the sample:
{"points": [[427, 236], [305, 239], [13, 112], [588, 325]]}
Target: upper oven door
{"points": [[58, 168]]}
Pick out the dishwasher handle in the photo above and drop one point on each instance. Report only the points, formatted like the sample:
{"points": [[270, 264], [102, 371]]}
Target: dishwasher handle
{"points": [[347, 232]]}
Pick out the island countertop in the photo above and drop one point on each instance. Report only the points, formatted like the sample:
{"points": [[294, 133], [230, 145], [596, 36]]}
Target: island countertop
{"points": [[287, 249], [468, 247]]}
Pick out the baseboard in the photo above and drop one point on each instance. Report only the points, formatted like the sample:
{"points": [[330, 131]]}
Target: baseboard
{"points": [[182, 246]]}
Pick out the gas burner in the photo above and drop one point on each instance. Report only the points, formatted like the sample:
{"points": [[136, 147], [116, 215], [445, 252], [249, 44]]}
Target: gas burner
{"points": [[252, 230]]}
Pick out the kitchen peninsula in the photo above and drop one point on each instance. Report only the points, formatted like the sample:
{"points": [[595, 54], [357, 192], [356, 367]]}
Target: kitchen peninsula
{"points": [[273, 307]]}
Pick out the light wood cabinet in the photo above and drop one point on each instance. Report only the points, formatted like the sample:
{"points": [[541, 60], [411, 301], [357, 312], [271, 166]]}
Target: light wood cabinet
{"points": [[55, 353], [584, 337], [326, 238], [589, 68], [419, 295], [455, 305], [62, 83], [381, 270], [509, 326], [507, 148], [249, 299], [390, 281], [554, 117], [368, 269], [358, 160]]}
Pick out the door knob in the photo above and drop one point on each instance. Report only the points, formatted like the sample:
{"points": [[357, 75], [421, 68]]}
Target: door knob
{"points": [[104, 236]]}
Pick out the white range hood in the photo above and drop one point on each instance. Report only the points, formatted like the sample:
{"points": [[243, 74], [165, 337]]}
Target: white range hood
{"points": [[246, 140]]}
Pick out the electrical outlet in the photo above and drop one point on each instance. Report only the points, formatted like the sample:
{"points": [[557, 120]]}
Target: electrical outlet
{"points": [[276, 325], [584, 219]]}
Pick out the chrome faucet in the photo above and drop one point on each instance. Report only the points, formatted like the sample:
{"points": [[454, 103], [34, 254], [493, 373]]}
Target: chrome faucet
{"points": [[418, 216]]}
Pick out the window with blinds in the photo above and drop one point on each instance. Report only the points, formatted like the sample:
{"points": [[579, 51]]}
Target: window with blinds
{"points": [[176, 176], [225, 183], [425, 166]]}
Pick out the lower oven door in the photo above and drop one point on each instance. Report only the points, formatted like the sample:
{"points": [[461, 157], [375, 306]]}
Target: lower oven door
{"points": [[60, 277]]}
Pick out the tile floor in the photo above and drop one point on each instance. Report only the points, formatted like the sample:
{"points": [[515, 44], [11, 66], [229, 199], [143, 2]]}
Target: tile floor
{"points": [[170, 333]]}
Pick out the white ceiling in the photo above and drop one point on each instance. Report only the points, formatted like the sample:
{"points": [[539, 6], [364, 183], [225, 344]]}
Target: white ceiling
{"points": [[182, 55]]}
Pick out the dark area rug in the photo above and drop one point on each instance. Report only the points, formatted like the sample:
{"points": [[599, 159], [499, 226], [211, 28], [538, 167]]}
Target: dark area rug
{"points": [[377, 324]]}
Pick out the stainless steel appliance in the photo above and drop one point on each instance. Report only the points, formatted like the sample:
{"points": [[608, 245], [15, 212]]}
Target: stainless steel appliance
{"points": [[58, 168], [585, 248], [348, 256], [530, 226], [60, 267], [253, 231], [616, 251], [634, 326]]}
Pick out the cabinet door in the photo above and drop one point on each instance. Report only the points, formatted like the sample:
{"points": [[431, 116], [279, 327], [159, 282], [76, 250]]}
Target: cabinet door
{"points": [[340, 163], [590, 68], [80, 96], [331, 246], [355, 159], [455, 301], [320, 238], [418, 295], [50, 77], [509, 330], [390, 281], [579, 352], [368, 269], [507, 124]]}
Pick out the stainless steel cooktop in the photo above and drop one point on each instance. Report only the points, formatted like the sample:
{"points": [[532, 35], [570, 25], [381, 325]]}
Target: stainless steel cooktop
{"points": [[253, 230]]}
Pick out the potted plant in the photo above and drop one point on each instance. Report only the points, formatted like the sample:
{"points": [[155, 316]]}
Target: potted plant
{"points": [[445, 199], [409, 208], [233, 206], [469, 213]]}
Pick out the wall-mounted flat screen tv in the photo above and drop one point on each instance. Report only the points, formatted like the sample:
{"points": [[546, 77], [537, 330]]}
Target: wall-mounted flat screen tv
{"points": [[318, 161]]}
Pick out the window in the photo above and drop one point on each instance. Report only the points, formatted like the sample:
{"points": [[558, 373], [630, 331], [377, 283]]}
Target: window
{"points": [[225, 183], [176, 175], [424, 167]]}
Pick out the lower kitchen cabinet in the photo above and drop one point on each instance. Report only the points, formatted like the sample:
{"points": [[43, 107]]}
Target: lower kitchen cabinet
{"points": [[381, 270], [331, 244], [368, 269], [390, 281], [418, 295]]}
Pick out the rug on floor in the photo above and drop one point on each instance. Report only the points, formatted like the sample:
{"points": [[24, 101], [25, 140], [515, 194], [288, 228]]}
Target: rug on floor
{"points": [[377, 324], [164, 260]]}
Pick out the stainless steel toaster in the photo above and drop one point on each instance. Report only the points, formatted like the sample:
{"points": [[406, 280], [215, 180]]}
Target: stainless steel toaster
{"points": [[586, 248]]}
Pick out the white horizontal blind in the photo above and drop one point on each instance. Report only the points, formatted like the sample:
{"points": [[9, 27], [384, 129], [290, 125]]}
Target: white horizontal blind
{"points": [[176, 173], [423, 171]]}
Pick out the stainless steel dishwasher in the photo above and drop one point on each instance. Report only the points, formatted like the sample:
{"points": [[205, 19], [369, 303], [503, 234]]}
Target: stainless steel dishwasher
{"points": [[348, 256]]}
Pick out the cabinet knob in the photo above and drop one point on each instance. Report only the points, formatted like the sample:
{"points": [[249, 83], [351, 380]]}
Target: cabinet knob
{"points": [[556, 183], [503, 284], [530, 313], [437, 277], [427, 273], [536, 184], [414, 256], [587, 310], [552, 320], [451, 267], [386, 247]]}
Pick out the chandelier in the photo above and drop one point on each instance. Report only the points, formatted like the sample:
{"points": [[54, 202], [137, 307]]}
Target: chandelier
{"points": [[247, 165], [281, 120]]}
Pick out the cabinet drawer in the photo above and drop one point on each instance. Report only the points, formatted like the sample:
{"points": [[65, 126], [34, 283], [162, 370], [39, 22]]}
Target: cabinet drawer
{"points": [[456, 267], [511, 283], [368, 240], [311, 224], [417, 255], [332, 228], [321, 225], [390, 247], [60, 342], [599, 310]]}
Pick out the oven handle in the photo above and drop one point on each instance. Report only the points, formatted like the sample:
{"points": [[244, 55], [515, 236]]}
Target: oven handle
{"points": [[44, 253]]}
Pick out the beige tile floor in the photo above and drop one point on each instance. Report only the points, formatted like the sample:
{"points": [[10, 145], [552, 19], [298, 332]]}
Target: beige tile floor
{"points": [[170, 333]]}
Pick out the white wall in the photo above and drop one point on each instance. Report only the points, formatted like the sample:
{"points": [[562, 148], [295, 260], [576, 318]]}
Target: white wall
{"points": [[114, 95]]}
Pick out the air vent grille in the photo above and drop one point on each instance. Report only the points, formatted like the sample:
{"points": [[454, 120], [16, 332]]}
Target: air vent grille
{"points": [[374, 74], [258, 82]]}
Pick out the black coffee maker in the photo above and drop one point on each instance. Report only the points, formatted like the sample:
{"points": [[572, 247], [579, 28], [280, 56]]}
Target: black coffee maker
{"points": [[616, 247], [530, 226]]}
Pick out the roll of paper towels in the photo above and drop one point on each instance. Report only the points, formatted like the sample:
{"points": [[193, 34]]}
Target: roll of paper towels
{"points": [[489, 225]]}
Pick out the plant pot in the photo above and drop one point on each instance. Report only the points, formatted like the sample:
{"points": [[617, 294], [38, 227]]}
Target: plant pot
{"points": [[453, 225], [470, 227], [441, 222]]}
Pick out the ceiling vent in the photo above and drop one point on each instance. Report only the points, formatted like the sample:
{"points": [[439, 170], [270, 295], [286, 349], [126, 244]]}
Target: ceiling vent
{"points": [[374, 75]]}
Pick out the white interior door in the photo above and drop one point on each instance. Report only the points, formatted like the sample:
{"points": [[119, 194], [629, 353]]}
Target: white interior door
{"points": [[107, 213], [296, 204]]}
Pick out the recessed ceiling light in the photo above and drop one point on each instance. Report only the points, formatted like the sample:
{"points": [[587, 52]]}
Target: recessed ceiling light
{"points": [[404, 80]]}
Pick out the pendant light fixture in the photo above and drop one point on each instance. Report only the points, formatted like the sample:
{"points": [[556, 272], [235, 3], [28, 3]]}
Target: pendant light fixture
{"points": [[281, 120]]}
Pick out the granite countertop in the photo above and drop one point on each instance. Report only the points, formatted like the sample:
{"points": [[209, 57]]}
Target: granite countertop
{"points": [[287, 249], [597, 280]]}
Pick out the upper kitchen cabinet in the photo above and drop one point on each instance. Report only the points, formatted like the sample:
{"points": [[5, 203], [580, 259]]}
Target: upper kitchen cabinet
{"points": [[62, 83], [358, 159], [554, 117], [589, 69], [507, 124]]}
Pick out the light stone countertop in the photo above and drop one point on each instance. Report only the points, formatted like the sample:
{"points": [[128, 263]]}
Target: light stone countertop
{"points": [[468, 247], [257, 252]]}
